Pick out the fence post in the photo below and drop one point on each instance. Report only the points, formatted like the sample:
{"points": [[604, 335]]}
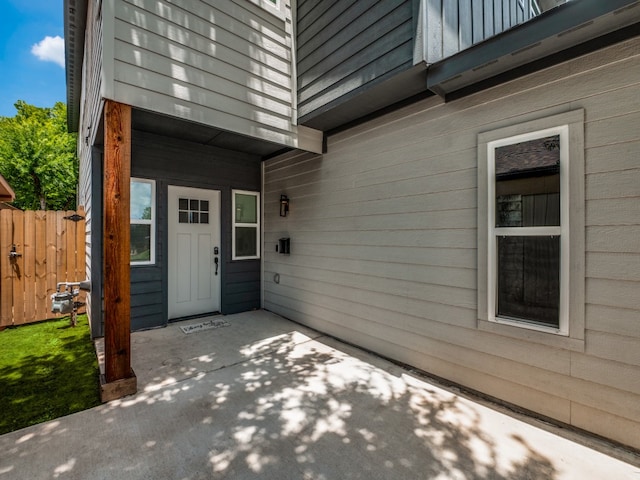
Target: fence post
{"points": [[42, 300], [6, 275]]}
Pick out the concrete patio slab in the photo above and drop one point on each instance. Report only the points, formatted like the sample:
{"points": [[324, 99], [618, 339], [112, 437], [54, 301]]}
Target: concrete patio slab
{"points": [[266, 398]]}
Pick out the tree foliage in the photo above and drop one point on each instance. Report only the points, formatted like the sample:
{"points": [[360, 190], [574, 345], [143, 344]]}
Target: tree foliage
{"points": [[38, 157]]}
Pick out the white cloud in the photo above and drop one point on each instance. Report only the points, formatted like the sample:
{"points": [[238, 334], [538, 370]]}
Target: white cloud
{"points": [[50, 49]]}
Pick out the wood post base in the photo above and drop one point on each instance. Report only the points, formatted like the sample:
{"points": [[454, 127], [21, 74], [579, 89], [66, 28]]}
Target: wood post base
{"points": [[117, 389]]}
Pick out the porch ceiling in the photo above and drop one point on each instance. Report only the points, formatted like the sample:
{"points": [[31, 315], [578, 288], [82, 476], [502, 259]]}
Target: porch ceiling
{"points": [[202, 134], [172, 127]]}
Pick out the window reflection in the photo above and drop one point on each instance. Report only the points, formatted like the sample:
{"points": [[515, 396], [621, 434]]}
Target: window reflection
{"points": [[140, 200], [528, 183]]}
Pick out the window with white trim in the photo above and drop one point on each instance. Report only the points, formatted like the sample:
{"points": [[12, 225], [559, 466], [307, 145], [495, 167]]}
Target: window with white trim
{"points": [[527, 222], [275, 7], [246, 225], [143, 222], [531, 226]]}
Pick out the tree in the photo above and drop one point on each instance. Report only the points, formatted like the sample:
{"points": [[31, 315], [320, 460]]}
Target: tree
{"points": [[38, 157]]}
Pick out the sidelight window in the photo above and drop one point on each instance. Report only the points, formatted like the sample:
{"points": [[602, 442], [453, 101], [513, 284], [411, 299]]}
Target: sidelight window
{"points": [[142, 221], [246, 225]]}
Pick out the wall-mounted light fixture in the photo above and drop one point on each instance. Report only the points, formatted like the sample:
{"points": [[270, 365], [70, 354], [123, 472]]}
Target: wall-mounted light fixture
{"points": [[284, 205]]}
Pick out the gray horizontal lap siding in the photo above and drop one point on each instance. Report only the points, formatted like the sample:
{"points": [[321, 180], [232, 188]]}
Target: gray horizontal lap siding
{"points": [[344, 45], [384, 243], [174, 162], [224, 63]]}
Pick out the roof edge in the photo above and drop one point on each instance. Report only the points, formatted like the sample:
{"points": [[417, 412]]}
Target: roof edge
{"points": [[6, 192], [75, 22]]}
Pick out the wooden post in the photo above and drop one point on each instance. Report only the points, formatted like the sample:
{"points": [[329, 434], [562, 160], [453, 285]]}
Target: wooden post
{"points": [[6, 270], [119, 377]]}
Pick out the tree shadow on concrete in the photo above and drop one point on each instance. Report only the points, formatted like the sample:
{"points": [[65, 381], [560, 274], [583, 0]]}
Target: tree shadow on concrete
{"points": [[293, 408], [335, 416]]}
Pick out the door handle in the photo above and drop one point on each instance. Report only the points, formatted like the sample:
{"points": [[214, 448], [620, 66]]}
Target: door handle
{"points": [[215, 260]]}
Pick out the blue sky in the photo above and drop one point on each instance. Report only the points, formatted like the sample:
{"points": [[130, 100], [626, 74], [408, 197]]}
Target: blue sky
{"points": [[31, 53]]}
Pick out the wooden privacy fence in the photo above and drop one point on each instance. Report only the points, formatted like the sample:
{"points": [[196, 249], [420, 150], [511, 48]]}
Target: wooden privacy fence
{"points": [[51, 249]]}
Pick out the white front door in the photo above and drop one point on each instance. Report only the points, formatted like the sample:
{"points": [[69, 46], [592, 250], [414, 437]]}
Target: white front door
{"points": [[194, 251]]}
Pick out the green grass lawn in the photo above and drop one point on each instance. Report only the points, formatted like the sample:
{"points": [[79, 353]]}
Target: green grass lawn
{"points": [[47, 370]]}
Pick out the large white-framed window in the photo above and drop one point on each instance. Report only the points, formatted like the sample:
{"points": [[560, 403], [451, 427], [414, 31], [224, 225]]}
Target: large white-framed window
{"points": [[246, 225], [143, 221], [527, 220], [531, 230]]}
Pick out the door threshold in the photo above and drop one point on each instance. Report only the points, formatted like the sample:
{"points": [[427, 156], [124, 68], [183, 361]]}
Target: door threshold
{"points": [[193, 317]]}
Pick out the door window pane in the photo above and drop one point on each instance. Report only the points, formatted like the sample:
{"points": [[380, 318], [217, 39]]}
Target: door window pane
{"points": [[529, 278], [193, 210]]}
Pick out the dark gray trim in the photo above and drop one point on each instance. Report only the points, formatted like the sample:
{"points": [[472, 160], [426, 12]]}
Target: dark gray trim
{"points": [[546, 62], [399, 84]]}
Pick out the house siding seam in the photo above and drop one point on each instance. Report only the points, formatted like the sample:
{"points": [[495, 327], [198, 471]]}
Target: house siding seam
{"points": [[383, 232]]}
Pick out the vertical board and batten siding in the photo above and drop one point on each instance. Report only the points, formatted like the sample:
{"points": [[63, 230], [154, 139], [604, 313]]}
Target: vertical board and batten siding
{"points": [[174, 162], [223, 63], [451, 26], [384, 243], [343, 46], [90, 158]]}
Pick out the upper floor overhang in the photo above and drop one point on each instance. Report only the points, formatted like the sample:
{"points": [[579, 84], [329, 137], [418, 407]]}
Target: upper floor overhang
{"points": [[567, 31], [222, 67], [448, 49]]}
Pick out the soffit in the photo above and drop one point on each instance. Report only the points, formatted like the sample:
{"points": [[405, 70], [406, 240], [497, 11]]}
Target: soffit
{"points": [[75, 18], [163, 125], [560, 29]]}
